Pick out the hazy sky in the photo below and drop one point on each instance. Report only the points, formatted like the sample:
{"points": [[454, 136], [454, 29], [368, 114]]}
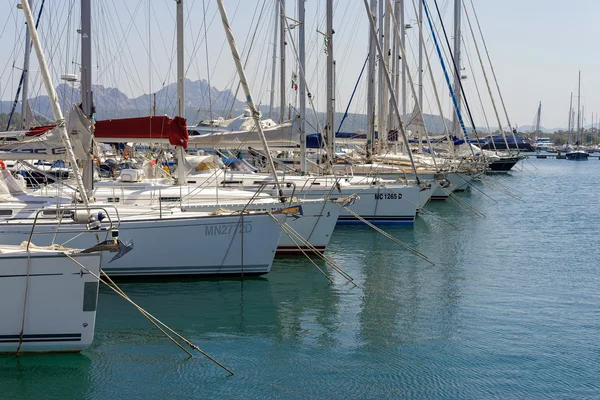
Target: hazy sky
{"points": [[537, 47]]}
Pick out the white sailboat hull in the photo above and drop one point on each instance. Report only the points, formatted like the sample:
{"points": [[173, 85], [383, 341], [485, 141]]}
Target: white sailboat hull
{"points": [[315, 226], [60, 312], [207, 245]]}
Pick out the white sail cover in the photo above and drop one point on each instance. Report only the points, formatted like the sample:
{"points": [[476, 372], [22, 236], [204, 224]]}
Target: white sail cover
{"points": [[242, 133], [45, 143]]}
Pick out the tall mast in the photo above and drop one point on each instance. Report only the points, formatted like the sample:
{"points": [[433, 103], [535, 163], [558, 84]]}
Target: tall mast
{"points": [[180, 90], [86, 85], [380, 85], [24, 99], [403, 37], [388, 81], [421, 44], [570, 114], [302, 85], [249, 100], [384, 129], [394, 67], [457, 92], [371, 86], [56, 111], [282, 105], [578, 108], [274, 64], [330, 93], [538, 119]]}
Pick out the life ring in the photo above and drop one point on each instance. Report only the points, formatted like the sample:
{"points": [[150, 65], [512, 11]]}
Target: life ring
{"points": [[2, 165]]}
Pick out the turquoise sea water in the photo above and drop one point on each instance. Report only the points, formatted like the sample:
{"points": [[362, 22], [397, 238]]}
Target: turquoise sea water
{"points": [[510, 310]]}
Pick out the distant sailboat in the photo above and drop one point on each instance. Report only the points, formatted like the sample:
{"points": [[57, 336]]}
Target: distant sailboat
{"points": [[578, 154]]}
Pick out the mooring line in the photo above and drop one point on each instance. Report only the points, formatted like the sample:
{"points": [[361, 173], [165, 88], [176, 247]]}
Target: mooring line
{"points": [[421, 209], [149, 316], [384, 233], [463, 204], [325, 258]]}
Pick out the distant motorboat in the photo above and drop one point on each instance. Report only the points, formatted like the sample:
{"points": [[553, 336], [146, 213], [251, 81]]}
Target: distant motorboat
{"points": [[497, 142], [543, 144], [577, 155]]}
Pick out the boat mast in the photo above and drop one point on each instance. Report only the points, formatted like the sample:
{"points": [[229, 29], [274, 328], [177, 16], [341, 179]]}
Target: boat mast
{"points": [[457, 91], [538, 119], [25, 119], [570, 117], [394, 67], [330, 134], [249, 100], [56, 111], [380, 87], [179, 150], [371, 87], [578, 109], [302, 85], [388, 81], [403, 39], [274, 64], [282, 105], [86, 86], [421, 44]]}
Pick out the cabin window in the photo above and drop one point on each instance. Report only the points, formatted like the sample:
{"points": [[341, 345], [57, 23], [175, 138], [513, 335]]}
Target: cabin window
{"points": [[6, 213], [113, 199], [90, 296], [173, 199]]}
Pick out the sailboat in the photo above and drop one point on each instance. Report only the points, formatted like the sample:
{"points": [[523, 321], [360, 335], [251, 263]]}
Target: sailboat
{"points": [[49, 293], [578, 154], [171, 241]]}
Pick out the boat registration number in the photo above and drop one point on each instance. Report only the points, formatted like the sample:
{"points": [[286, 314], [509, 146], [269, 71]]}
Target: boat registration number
{"points": [[388, 196], [226, 229]]}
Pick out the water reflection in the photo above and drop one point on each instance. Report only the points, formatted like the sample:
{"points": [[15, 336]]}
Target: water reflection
{"points": [[29, 375]]}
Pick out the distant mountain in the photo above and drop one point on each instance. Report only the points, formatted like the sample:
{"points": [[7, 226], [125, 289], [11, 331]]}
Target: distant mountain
{"points": [[112, 103]]}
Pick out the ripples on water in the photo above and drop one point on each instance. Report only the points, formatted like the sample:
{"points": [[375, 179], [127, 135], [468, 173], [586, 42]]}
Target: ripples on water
{"points": [[511, 309]]}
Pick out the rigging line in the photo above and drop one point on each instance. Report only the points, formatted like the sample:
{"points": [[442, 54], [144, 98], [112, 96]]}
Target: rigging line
{"points": [[491, 66], [407, 72], [452, 94], [207, 60], [352, 95], [456, 69], [248, 53], [28, 48], [486, 80], [149, 52], [303, 75], [487, 124], [431, 77]]}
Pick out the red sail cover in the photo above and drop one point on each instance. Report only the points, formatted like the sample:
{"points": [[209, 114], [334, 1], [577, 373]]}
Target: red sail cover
{"points": [[144, 129], [39, 130]]}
